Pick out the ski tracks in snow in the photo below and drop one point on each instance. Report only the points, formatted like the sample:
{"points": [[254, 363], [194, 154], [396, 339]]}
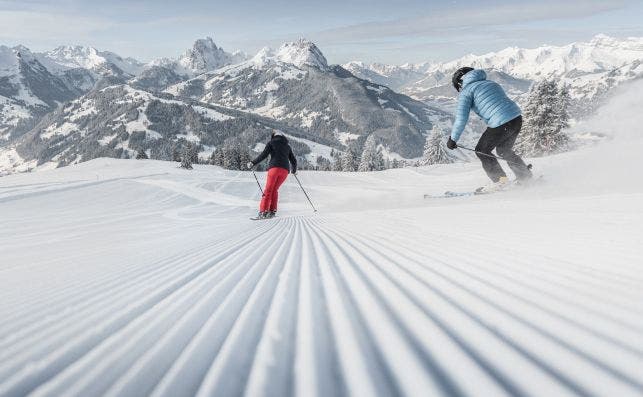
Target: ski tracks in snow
{"points": [[315, 306], [177, 297]]}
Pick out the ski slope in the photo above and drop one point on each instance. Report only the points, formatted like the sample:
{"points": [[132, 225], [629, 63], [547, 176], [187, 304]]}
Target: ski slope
{"points": [[132, 278]]}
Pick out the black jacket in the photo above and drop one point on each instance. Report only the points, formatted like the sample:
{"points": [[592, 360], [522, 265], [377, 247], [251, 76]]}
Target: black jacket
{"points": [[280, 154]]}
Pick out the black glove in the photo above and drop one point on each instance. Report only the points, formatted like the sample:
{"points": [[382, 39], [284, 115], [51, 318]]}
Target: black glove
{"points": [[294, 171], [451, 144]]}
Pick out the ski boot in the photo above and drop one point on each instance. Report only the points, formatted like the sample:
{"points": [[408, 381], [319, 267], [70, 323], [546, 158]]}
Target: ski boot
{"points": [[271, 214], [501, 184]]}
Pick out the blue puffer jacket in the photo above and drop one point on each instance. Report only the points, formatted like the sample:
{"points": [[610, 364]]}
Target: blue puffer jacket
{"points": [[486, 98]]}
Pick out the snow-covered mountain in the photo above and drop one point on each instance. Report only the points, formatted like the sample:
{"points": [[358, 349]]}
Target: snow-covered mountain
{"points": [[27, 90], [119, 120], [591, 69], [292, 88], [205, 56], [392, 76], [202, 57], [295, 85], [103, 63]]}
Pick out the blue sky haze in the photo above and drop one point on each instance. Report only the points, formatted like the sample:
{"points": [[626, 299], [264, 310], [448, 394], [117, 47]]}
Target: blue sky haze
{"points": [[389, 31]]}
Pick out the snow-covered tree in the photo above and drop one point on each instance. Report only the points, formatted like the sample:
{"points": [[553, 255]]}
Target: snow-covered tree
{"points": [[141, 155], [176, 154], [545, 119], [372, 158], [186, 158], [231, 155], [323, 164], [564, 100], [216, 158], [348, 161], [435, 150], [336, 164]]}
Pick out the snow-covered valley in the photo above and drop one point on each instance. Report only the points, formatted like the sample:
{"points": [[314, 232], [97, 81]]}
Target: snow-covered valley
{"points": [[129, 278]]}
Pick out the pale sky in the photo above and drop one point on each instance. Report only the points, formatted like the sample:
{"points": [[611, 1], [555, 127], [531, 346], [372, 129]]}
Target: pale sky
{"points": [[388, 31]]}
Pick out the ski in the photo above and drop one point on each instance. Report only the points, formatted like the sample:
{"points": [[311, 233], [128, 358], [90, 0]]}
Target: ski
{"points": [[479, 191], [450, 194], [256, 218]]}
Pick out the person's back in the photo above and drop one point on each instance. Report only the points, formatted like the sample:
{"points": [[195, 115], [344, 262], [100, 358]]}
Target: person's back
{"points": [[281, 161], [502, 115], [487, 99], [280, 153]]}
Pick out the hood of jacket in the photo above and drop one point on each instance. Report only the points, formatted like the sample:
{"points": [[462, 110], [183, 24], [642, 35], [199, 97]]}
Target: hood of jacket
{"points": [[278, 138], [473, 76]]}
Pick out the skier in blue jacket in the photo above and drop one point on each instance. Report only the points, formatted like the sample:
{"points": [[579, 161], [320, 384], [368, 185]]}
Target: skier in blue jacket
{"points": [[503, 117]]}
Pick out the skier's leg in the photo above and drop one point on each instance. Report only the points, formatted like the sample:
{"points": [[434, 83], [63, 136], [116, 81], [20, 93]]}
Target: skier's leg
{"points": [[505, 150], [269, 190], [486, 144], [282, 174]]}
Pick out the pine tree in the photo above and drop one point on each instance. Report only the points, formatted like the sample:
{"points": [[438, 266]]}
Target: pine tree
{"points": [[217, 157], [141, 155], [564, 100], [337, 163], [193, 152], [176, 155], [348, 161], [435, 151], [372, 158], [230, 157], [545, 119], [186, 158]]}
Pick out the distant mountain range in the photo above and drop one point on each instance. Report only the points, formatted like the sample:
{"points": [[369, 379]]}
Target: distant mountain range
{"points": [[591, 69], [76, 103], [106, 105]]}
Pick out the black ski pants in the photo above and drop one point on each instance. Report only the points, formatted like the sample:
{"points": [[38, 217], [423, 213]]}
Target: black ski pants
{"points": [[502, 139]]}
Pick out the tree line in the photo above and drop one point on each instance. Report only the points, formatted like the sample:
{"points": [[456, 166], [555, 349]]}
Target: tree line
{"points": [[545, 114]]}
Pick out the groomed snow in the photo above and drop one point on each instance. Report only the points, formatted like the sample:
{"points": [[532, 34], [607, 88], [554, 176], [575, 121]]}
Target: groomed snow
{"points": [[135, 277]]}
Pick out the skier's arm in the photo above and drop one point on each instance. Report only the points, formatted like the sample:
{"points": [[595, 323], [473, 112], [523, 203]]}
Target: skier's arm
{"points": [[293, 161], [465, 101], [263, 155]]}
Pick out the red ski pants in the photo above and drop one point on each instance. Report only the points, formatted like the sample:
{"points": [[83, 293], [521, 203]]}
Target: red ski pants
{"points": [[276, 176]]}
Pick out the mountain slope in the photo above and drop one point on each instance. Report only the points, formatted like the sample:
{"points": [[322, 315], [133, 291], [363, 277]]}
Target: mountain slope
{"points": [[118, 121], [295, 85], [27, 91]]}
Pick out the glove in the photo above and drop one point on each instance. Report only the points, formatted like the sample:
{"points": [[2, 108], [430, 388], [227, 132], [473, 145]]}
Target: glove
{"points": [[294, 172], [451, 144], [250, 165]]}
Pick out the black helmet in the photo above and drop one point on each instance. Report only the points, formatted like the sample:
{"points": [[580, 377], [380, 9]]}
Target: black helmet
{"points": [[457, 77]]}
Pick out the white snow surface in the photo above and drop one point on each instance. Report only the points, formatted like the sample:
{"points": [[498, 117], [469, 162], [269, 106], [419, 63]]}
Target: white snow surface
{"points": [[135, 277]]}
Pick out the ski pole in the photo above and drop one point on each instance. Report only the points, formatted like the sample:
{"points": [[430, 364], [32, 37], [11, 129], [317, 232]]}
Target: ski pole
{"points": [[256, 179], [303, 190], [492, 156]]}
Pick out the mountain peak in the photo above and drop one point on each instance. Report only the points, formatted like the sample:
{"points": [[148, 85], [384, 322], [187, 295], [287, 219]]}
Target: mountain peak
{"points": [[302, 52], [603, 40], [205, 56]]}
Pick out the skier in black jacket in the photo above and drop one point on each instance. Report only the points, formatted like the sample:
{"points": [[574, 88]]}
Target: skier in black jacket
{"points": [[281, 160]]}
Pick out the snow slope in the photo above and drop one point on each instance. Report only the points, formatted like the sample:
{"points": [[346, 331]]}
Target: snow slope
{"points": [[127, 278], [130, 278]]}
